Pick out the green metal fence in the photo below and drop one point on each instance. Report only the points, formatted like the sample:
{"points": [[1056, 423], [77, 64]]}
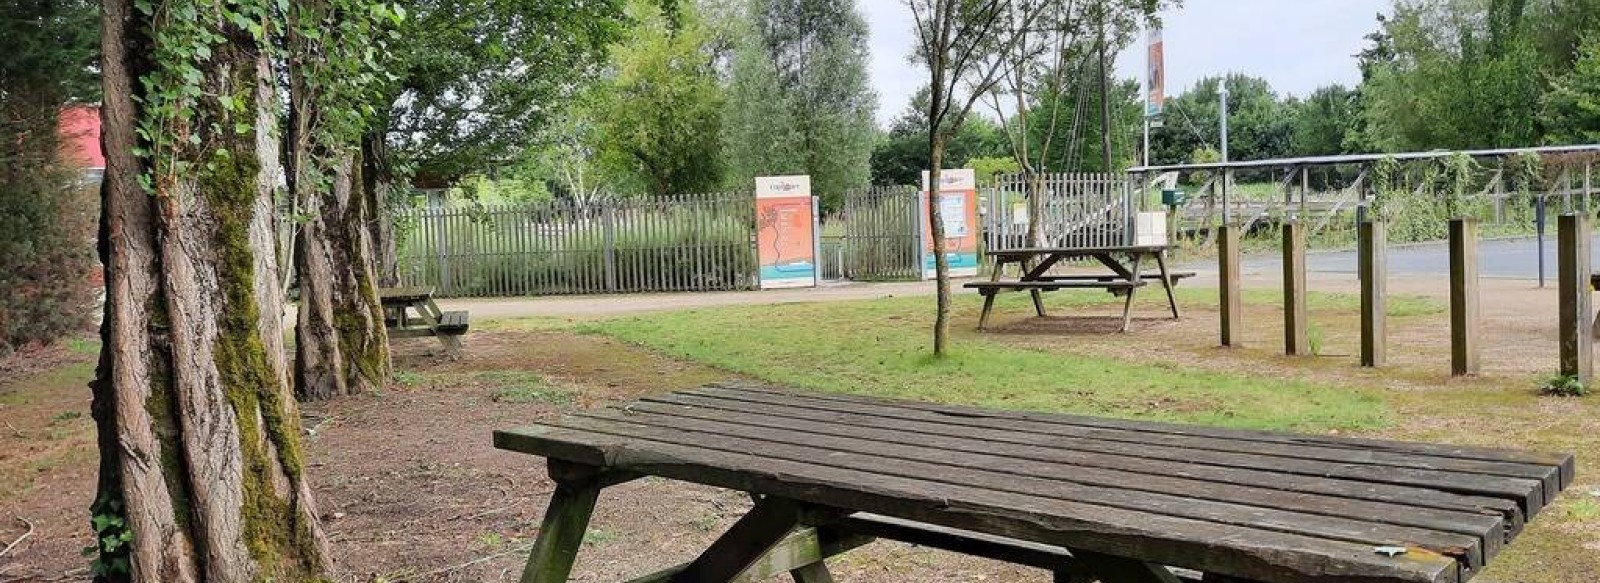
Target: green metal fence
{"points": [[670, 244]]}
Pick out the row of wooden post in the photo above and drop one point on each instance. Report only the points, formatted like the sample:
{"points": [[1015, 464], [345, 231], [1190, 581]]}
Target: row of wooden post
{"points": [[1576, 329]]}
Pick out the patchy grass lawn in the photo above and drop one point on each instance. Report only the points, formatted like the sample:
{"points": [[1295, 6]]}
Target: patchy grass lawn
{"points": [[881, 347]]}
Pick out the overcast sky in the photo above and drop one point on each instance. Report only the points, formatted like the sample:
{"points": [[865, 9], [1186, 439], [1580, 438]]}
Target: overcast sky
{"points": [[1297, 45]]}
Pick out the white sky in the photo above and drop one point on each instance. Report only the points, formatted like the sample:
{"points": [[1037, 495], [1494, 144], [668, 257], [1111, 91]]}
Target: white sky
{"points": [[1297, 45]]}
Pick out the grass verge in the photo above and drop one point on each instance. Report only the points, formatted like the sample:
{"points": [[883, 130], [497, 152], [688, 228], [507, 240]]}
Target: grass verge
{"points": [[881, 348]]}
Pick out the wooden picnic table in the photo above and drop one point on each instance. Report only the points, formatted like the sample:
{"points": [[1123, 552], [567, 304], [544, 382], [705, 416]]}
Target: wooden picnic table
{"points": [[1086, 498], [429, 321], [1125, 275]]}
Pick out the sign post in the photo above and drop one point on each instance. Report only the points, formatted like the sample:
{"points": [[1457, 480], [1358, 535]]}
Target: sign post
{"points": [[957, 197], [786, 232]]}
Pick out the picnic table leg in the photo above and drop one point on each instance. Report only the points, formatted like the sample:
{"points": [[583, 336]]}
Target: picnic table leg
{"points": [[813, 573], [565, 521], [1166, 282], [1038, 296], [1111, 569], [988, 295], [988, 305], [434, 317], [746, 542], [1127, 306]]}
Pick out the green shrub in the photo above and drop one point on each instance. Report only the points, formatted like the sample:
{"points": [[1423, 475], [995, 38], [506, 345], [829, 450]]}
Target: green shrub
{"points": [[1564, 386]]}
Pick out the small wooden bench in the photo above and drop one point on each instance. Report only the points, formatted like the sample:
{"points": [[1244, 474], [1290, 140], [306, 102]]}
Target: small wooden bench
{"points": [[429, 321]]}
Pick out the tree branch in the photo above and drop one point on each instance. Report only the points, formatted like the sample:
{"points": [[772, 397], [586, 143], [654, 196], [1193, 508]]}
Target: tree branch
{"points": [[19, 540]]}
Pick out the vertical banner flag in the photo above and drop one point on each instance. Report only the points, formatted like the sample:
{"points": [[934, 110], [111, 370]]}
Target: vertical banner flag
{"points": [[957, 198], [1156, 83], [786, 236]]}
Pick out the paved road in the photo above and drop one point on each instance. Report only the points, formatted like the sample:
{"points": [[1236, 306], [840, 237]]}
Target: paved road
{"points": [[1504, 258]]}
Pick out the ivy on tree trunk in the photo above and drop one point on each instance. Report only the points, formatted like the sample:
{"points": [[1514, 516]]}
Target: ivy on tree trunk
{"points": [[341, 345], [201, 474]]}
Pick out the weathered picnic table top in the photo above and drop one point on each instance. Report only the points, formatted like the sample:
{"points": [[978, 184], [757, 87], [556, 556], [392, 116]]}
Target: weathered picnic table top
{"points": [[404, 295], [1256, 505], [1082, 251]]}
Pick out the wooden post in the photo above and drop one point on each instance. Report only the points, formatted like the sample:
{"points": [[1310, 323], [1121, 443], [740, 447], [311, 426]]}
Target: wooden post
{"points": [[1296, 340], [1374, 270], [1577, 356], [1464, 296], [1232, 303]]}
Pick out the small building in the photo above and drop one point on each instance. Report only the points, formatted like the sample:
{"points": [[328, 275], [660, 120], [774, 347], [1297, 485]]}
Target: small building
{"points": [[80, 140]]}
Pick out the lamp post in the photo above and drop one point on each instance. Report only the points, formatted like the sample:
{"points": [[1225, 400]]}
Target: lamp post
{"points": [[1222, 113]]}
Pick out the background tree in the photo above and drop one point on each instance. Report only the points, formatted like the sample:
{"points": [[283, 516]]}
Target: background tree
{"points": [[818, 49], [1464, 74], [201, 472], [760, 134], [901, 154], [1572, 107], [46, 212], [1079, 137], [1258, 126], [965, 45], [658, 113], [474, 82], [341, 344], [1320, 122]]}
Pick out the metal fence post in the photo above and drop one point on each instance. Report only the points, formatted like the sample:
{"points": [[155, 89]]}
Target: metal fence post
{"points": [[611, 247]]}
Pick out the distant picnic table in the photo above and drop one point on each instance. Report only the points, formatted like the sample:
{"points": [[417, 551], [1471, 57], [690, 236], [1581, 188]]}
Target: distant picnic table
{"points": [[410, 312], [1083, 497], [1125, 275]]}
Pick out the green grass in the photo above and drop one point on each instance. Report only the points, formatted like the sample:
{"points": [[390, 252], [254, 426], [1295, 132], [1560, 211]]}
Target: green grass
{"points": [[881, 348], [524, 388], [83, 346]]}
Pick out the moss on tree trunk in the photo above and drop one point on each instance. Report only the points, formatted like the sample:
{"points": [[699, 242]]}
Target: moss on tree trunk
{"points": [[201, 462]]}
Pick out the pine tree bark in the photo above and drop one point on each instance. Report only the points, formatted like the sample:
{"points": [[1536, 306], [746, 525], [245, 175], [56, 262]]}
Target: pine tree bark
{"points": [[198, 428]]}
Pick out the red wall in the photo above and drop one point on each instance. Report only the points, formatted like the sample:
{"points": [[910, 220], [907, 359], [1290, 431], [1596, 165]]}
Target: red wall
{"points": [[80, 130]]}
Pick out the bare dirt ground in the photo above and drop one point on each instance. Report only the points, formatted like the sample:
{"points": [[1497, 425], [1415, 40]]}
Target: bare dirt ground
{"points": [[411, 489], [407, 482]]}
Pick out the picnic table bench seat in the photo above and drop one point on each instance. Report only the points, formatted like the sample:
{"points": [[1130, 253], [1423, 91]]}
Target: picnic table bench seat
{"points": [[428, 320], [1089, 498], [993, 287]]}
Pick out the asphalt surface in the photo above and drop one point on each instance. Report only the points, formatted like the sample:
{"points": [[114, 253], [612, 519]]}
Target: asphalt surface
{"points": [[1501, 258]]}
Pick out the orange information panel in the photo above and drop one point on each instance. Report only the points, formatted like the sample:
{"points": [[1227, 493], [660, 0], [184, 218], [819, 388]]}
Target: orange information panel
{"points": [[958, 204], [786, 232]]}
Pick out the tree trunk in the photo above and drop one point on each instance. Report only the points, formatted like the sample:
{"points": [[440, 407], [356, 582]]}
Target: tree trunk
{"points": [[1105, 102], [941, 263], [201, 470], [377, 181], [341, 345]]}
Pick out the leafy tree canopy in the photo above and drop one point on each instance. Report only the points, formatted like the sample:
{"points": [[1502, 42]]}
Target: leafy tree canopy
{"points": [[475, 80]]}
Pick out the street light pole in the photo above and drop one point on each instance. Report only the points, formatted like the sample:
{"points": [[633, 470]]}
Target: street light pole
{"points": [[1222, 113]]}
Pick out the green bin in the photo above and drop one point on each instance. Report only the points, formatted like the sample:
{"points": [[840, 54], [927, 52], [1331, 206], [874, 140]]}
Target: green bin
{"points": [[1174, 198]]}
